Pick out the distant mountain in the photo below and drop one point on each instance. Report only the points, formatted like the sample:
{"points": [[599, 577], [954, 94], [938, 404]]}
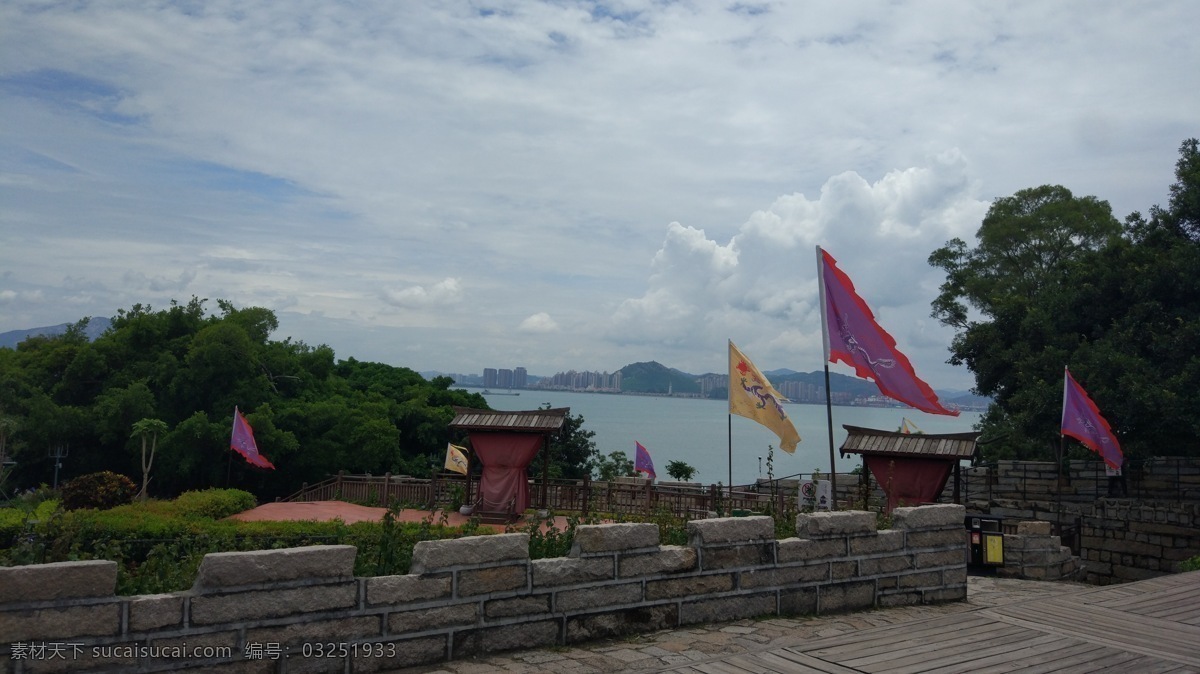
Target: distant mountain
{"points": [[654, 377], [96, 327], [781, 372]]}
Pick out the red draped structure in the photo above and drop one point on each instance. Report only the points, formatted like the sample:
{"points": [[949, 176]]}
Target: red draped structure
{"points": [[505, 444], [911, 468]]}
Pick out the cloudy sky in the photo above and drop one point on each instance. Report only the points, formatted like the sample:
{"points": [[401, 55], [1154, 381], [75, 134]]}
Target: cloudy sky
{"points": [[562, 185]]}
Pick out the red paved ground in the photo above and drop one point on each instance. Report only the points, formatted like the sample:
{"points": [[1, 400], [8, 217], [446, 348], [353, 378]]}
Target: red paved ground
{"points": [[348, 512]]}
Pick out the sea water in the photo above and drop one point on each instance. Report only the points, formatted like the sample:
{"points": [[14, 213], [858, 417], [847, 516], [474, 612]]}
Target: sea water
{"points": [[699, 432]]}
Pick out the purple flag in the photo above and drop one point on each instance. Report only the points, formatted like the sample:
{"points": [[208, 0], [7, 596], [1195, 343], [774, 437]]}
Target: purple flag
{"points": [[853, 337], [642, 463], [1081, 420], [243, 442]]}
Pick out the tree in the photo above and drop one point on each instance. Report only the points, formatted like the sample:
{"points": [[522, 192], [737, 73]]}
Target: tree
{"points": [[148, 428], [572, 451], [680, 471], [1055, 281], [616, 464]]}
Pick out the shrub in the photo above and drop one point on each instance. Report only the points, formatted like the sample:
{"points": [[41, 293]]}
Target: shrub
{"points": [[214, 503], [101, 491]]}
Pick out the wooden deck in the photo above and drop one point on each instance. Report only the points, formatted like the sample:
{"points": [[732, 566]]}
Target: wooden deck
{"points": [[1147, 626]]}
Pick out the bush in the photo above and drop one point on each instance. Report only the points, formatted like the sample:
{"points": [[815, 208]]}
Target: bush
{"points": [[101, 491], [214, 503]]}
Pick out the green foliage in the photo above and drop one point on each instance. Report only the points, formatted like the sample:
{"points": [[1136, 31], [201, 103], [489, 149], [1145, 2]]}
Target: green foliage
{"points": [[680, 470], [572, 451], [187, 368], [616, 464], [654, 377], [1190, 564], [214, 503], [102, 490], [1056, 281]]}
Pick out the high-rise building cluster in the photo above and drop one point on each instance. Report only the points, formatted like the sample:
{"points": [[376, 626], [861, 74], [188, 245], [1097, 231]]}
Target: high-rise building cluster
{"points": [[505, 378], [582, 381]]}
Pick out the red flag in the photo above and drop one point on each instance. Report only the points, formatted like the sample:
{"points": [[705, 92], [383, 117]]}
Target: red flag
{"points": [[853, 337], [643, 463], [242, 441], [1081, 420]]}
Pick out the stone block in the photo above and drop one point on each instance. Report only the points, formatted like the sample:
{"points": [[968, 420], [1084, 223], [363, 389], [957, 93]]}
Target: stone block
{"points": [[597, 598], [840, 523], [944, 595], [727, 608], [802, 601], [599, 538], [936, 538], [843, 570], [251, 605], [688, 587], [570, 571], [220, 570], [429, 556], [394, 590], [724, 530], [458, 615], [403, 653], [923, 560], [58, 580], [883, 541], [737, 556], [922, 579], [668, 559], [906, 598], [783, 576], [791, 550], [472, 582], [1032, 528], [846, 597], [155, 611], [506, 638], [878, 566], [941, 516], [60, 624], [595, 626], [523, 606]]}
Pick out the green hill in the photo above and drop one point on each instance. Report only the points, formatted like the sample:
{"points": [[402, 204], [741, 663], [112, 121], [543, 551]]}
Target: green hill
{"points": [[654, 377]]}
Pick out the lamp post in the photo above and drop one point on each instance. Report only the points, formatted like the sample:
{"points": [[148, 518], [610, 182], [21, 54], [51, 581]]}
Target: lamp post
{"points": [[58, 452]]}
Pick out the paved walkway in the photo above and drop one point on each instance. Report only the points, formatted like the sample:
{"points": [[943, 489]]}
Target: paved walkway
{"points": [[710, 647]]}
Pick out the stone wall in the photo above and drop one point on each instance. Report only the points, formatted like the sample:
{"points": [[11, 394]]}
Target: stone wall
{"points": [[1122, 540], [302, 609]]}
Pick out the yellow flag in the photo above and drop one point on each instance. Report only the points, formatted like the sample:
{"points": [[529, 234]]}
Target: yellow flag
{"points": [[456, 458], [753, 397]]}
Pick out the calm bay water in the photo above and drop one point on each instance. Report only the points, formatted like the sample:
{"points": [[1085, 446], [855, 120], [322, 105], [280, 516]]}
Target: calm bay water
{"points": [[697, 431]]}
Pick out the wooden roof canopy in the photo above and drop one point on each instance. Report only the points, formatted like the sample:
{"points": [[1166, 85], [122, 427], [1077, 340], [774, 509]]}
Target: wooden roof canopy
{"points": [[548, 421], [874, 442]]}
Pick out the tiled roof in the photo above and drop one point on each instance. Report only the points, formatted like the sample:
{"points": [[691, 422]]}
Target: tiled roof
{"points": [[531, 421], [891, 443]]}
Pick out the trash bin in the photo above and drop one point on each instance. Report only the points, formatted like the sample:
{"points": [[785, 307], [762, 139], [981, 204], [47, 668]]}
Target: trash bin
{"points": [[985, 541]]}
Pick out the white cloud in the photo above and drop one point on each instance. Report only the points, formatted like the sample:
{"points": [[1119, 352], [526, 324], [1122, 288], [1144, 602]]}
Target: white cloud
{"points": [[346, 161], [539, 323], [446, 291]]}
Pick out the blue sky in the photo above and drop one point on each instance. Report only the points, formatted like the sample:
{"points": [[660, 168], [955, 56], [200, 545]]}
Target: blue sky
{"points": [[453, 186]]}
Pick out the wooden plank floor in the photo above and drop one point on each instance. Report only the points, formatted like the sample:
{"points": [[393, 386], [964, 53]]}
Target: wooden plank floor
{"points": [[1147, 626]]}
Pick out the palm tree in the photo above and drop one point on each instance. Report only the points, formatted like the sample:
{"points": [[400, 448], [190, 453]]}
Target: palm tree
{"points": [[148, 429]]}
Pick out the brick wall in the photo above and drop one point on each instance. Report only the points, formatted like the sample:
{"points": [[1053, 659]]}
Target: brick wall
{"points": [[302, 610]]}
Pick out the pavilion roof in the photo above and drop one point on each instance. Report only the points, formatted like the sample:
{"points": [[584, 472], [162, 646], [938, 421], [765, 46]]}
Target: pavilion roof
{"points": [[530, 421], [872, 441]]}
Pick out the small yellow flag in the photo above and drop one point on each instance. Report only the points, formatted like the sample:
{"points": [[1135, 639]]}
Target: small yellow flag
{"points": [[753, 397], [456, 458]]}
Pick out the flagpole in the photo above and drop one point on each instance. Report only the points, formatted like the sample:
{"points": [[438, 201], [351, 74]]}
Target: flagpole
{"points": [[729, 419], [828, 392]]}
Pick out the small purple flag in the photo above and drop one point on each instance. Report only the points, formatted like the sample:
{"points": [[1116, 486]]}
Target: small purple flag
{"points": [[243, 442], [1081, 420], [642, 463]]}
